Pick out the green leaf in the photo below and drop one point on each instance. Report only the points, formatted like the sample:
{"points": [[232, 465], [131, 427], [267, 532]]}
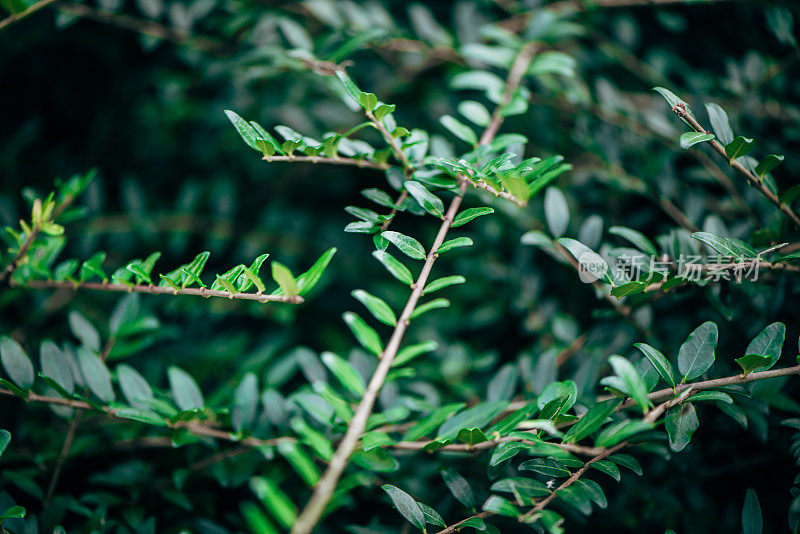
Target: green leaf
{"points": [[283, 276], [767, 164], [459, 129], [696, 354], [406, 505], [727, 246], [300, 461], [310, 278], [126, 310], [15, 512], [620, 431], [768, 343], [365, 334], [368, 101], [371, 440], [592, 420], [274, 500], [244, 128], [476, 417], [84, 331], [184, 389], [407, 245], [468, 214], [352, 89], [441, 283], [344, 373], [593, 266], [636, 238], [245, 403], [681, 423], [397, 269], [669, 96], [412, 351], [55, 366], [5, 439], [134, 387], [634, 384], [429, 423], [16, 363], [376, 306], [660, 362], [249, 276], [631, 288], [552, 62], [475, 111], [459, 487], [689, 139], [471, 436], [752, 520], [739, 147], [454, 243], [428, 306], [432, 517], [556, 211], [545, 466], [751, 362], [96, 375], [720, 123], [429, 202], [379, 197], [500, 506]]}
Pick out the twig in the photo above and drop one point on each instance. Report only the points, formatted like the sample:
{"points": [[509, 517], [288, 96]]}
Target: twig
{"points": [[480, 184], [541, 505], [158, 290], [452, 528], [331, 161], [713, 383], [22, 14], [682, 112], [194, 427], [463, 447], [323, 492]]}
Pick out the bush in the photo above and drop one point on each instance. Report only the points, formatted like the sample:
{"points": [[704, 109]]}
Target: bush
{"points": [[548, 276]]}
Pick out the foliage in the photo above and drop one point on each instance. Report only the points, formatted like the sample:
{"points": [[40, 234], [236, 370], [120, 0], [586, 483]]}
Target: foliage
{"points": [[570, 310]]}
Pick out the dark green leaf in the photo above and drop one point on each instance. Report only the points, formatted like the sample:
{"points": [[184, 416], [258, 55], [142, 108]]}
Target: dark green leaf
{"points": [[406, 505], [696, 355], [681, 422]]}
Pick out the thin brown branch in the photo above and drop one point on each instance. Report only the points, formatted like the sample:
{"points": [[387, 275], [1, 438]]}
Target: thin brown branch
{"points": [[21, 252], [323, 491], [389, 218], [541, 505], [714, 383], [463, 447], [366, 164], [194, 427], [158, 290], [452, 528], [480, 184], [144, 27], [682, 112], [22, 14]]}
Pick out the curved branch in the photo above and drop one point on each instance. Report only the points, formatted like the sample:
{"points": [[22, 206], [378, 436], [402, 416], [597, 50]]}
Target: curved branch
{"points": [[158, 290]]}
